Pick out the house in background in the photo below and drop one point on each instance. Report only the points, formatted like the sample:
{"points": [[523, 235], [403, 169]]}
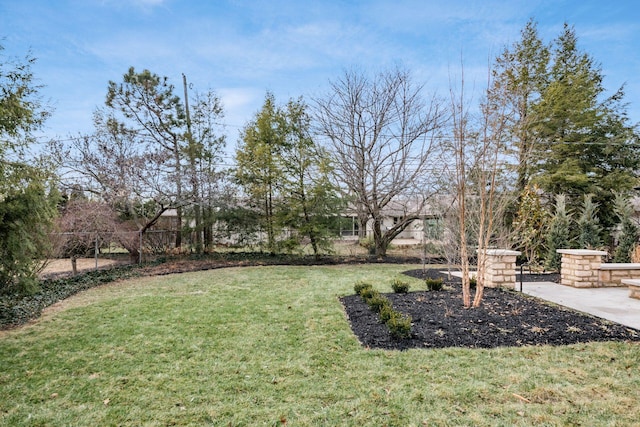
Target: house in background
{"points": [[428, 226]]}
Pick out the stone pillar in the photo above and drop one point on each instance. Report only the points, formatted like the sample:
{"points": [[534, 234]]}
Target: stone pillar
{"points": [[580, 267], [500, 268]]}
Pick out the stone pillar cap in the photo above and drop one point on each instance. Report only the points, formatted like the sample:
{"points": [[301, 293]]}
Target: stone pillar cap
{"points": [[580, 252], [499, 252]]}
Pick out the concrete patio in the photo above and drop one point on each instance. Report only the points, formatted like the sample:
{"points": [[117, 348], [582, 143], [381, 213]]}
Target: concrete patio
{"points": [[611, 303]]}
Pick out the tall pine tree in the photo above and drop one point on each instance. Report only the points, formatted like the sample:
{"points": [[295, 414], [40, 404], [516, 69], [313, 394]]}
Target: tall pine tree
{"points": [[586, 144], [519, 75], [258, 165]]}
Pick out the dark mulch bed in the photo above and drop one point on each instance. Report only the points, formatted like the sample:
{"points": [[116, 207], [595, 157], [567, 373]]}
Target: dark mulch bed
{"points": [[506, 318], [526, 277]]}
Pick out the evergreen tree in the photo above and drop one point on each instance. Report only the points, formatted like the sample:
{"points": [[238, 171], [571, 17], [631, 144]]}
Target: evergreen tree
{"points": [[145, 111], [285, 175], [530, 224], [558, 234], [27, 205], [628, 235], [589, 229], [586, 144], [519, 75], [311, 202], [258, 165]]}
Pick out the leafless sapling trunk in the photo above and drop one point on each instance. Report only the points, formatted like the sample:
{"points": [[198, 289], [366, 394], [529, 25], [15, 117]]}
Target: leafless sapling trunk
{"points": [[481, 186]]}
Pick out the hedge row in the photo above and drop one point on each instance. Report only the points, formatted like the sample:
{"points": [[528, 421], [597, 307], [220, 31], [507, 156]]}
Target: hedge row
{"points": [[399, 324]]}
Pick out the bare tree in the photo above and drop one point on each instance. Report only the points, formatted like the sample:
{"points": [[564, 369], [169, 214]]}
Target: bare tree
{"points": [[493, 187], [458, 145], [118, 167], [145, 157], [483, 186], [84, 225], [382, 132]]}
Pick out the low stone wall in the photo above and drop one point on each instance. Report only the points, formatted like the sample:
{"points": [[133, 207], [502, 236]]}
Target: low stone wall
{"points": [[612, 274], [580, 267], [634, 287]]}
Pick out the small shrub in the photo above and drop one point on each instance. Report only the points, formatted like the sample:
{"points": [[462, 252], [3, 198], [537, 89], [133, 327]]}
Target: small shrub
{"points": [[361, 286], [434, 284], [399, 325], [473, 282], [377, 302], [368, 293], [399, 286], [369, 244], [386, 312]]}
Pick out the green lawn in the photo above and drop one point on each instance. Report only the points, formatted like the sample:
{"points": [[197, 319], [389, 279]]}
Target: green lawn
{"points": [[272, 346]]}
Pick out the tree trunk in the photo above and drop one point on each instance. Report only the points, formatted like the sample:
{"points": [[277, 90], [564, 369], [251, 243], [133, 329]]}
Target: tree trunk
{"points": [[178, 228], [194, 172], [270, 228], [466, 286], [482, 265], [362, 227], [207, 225], [178, 168], [198, 229], [363, 218], [74, 264], [464, 254], [307, 220], [379, 240]]}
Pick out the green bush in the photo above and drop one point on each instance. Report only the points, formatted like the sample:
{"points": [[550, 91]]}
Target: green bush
{"points": [[368, 293], [399, 286], [399, 325], [369, 244], [473, 282], [378, 301], [386, 312], [434, 284], [361, 286]]}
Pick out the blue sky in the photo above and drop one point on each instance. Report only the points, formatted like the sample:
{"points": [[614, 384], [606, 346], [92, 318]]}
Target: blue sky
{"points": [[293, 48]]}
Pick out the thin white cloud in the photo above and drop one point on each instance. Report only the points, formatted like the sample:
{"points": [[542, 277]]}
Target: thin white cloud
{"points": [[238, 98]]}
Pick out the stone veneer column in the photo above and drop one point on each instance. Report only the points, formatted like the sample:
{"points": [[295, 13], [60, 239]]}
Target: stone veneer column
{"points": [[500, 268], [580, 267]]}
